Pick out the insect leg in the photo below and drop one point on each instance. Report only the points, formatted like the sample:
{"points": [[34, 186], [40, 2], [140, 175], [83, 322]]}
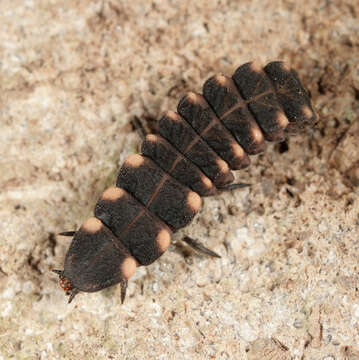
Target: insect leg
{"points": [[195, 244], [72, 294], [67, 233], [145, 126], [123, 290]]}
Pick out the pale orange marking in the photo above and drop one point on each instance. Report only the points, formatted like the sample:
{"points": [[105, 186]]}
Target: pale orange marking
{"points": [[256, 66], [306, 111], [92, 225], [206, 181], [223, 166], [151, 138], [285, 67], [135, 160], [163, 240], [192, 97], [112, 194], [237, 150], [282, 120], [221, 79], [194, 201], [257, 134], [128, 267], [173, 115]]}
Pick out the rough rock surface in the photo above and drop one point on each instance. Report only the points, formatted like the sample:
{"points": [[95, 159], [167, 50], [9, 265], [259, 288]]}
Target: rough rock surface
{"points": [[72, 76]]}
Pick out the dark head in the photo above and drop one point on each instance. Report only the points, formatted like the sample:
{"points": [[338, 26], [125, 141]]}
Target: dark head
{"points": [[66, 285]]}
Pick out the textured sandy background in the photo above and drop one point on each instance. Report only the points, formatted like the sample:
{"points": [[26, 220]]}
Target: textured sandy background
{"points": [[72, 76]]}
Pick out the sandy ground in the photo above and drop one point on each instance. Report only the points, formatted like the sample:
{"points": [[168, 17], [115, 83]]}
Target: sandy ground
{"points": [[73, 74]]}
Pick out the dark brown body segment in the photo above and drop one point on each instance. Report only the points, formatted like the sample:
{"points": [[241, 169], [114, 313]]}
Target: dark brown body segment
{"points": [[158, 191], [124, 215], [148, 238], [291, 95], [221, 92], [182, 136], [198, 113], [174, 163], [257, 90], [95, 258], [117, 209], [140, 177]]}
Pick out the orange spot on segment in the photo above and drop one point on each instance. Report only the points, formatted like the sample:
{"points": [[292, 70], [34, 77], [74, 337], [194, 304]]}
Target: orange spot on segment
{"points": [[194, 201], [128, 267], [206, 182], [285, 66], [113, 194], [282, 120], [135, 160], [151, 138], [307, 112], [173, 115], [163, 240], [192, 97], [221, 79], [237, 150], [92, 225], [257, 134], [256, 66], [223, 166]]}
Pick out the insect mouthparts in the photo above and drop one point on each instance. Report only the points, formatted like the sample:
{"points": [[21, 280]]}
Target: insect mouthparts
{"points": [[66, 285]]}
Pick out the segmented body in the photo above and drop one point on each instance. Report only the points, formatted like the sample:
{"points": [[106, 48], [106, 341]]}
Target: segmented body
{"points": [[159, 191]]}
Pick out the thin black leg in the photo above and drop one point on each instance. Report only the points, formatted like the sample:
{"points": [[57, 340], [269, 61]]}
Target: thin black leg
{"points": [[146, 125], [123, 284], [138, 127], [195, 244], [67, 233], [72, 294]]}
